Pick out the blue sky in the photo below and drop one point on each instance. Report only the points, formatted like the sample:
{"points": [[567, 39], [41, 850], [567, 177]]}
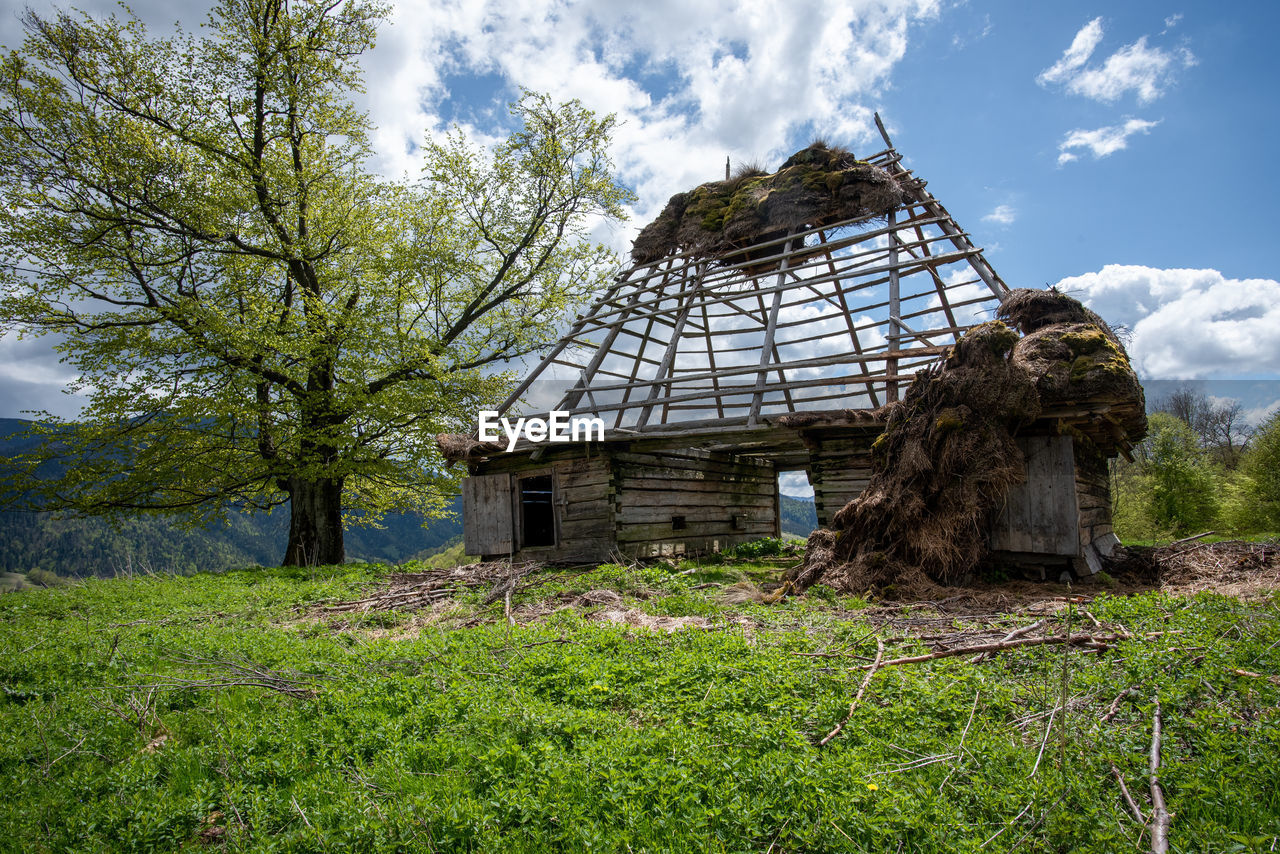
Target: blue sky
{"points": [[1126, 151]]}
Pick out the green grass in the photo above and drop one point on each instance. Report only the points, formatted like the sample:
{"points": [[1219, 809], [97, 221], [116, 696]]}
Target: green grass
{"points": [[575, 734], [1264, 537]]}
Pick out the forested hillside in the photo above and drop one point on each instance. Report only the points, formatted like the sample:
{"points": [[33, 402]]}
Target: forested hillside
{"points": [[153, 543], [799, 516]]}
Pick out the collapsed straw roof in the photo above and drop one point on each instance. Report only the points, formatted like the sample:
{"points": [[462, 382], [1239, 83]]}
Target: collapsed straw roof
{"points": [[816, 186]]}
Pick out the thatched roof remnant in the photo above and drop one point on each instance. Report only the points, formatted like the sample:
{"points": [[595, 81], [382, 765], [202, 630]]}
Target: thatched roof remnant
{"points": [[947, 457], [817, 185], [458, 448]]}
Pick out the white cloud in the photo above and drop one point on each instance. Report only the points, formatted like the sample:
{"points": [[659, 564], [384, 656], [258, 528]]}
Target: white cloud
{"points": [[1002, 215], [1188, 324], [795, 484], [1139, 68], [1101, 141], [1256, 415], [1074, 58], [691, 81]]}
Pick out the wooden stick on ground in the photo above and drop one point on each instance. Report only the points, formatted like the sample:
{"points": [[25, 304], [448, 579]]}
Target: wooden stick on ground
{"points": [[1013, 635], [1159, 813], [1128, 798], [1275, 679], [866, 680], [1191, 539], [1097, 642], [1114, 709]]}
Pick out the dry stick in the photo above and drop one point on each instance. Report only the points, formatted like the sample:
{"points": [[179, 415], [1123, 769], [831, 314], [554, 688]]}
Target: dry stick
{"points": [[506, 607], [1011, 823], [963, 736], [866, 680], [1159, 813], [1189, 539], [1114, 708], [1128, 799], [1101, 641], [1275, 679], [1048, 729], [1013, 635]]}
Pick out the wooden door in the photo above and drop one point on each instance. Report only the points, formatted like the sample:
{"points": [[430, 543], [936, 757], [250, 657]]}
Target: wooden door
{"points": [[1042, 515], [488, 527]]}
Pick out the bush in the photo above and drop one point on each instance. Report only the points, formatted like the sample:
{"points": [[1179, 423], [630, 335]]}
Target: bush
{"points": [[765, 547], [45, 578]]}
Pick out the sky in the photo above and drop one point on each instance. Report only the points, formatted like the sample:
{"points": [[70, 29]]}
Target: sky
{"points": [[1123, 152]]}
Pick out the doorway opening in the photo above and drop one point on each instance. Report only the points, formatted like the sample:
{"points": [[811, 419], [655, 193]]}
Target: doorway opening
{"points": [[537, 513]]}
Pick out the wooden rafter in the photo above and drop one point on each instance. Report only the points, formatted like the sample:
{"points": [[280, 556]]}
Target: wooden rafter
{"points": [[842, 319]]}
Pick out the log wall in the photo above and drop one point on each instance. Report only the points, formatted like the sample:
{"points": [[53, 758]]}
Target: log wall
{"points": [[1093, 491], [839, 470], [685, 501], [583, 496]]}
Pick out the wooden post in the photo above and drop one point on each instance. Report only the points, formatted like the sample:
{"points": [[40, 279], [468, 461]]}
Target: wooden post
{"points": [[577, 327], [895, 308], [663, 373], [766, 350]]}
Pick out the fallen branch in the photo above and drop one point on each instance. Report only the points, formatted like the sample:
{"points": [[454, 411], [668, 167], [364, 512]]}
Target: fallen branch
{"points": [[1159, 813], [1085, 640], [866, 680], [1191, 539], [1048, 729], [240, 673], [1013, 635], [1128, 798], [1273, 679], [1011, 823], [1114, 708]]}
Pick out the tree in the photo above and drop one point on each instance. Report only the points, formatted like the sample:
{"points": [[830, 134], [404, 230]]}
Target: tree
{"points": [[1260, 473], [255, 317], [1219, 425], [1183, 494]]}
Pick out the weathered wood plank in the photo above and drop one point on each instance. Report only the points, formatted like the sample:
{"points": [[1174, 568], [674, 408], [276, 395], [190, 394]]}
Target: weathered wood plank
{"points": [[487, 515], [655, 515], [630, 534], [1041, 516]]}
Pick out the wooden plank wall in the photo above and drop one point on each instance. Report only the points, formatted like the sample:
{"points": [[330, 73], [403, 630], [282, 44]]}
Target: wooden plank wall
{"points": [[723, 500], [584, 501], [839, 470], [1093, 489], [1041, 515]]}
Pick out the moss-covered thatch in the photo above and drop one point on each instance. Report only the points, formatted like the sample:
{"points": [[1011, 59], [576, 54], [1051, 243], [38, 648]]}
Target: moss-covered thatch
{"points": [[947, 457], [815, 186], [458, 448]]}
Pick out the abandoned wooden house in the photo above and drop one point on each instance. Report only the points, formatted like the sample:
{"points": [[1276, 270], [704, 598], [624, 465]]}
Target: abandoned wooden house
{"points": [[765, 321]]}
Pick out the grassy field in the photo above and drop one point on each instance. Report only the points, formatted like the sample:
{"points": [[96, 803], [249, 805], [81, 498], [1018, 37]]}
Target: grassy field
{"points": [[627, 709]]}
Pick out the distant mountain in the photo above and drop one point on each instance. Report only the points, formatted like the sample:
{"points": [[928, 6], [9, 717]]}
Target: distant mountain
{"points": [[153, 543], [799, 516]]}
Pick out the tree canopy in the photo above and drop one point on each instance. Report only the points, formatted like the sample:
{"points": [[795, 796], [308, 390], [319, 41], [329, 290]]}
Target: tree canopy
{"points": [[255, 317]]}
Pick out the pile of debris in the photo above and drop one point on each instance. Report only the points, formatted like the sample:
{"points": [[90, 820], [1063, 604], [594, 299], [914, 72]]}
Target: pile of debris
{"points": [[947, 457], [816, 186]]}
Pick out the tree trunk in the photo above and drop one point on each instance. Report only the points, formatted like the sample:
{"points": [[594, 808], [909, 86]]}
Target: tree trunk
{"points": [[315, 523]]}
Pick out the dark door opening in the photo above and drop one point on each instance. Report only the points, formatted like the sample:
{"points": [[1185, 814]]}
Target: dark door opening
{"points": [[537, 514]]}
